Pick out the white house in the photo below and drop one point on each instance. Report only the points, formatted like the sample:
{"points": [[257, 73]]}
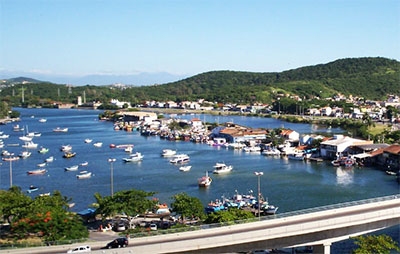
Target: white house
{"points": [[339, 145]]}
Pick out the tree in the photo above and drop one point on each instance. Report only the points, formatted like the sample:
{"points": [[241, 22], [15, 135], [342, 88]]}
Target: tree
{"points": [[375, 244], [129, 202], [46, 216], [13, 203], [229, 215], [187, 206]]}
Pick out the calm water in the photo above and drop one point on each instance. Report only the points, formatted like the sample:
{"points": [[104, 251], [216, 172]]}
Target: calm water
{"points": [[291, 185]]}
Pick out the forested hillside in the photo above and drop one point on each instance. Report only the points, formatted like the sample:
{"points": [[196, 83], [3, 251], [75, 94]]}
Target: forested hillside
{"points": [[371, 77]]}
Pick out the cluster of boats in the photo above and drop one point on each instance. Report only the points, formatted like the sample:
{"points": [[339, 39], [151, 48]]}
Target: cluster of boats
{"points": [[246, 202]]}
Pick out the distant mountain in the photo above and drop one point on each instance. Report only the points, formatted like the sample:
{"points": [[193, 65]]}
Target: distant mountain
{"points": [[140, 79], [23, 80]]}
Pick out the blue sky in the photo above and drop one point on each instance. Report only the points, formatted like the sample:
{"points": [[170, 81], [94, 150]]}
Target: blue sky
{"points": [[188, 37]]}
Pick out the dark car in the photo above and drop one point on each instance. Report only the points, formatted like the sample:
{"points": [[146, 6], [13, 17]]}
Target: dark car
{"points": [[118, 243]]}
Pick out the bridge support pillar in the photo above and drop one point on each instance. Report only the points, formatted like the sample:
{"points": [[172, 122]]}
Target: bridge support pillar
{"points": [[324, 248]]}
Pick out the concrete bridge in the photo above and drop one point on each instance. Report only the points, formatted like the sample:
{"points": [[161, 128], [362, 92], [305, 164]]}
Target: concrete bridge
{"points": [[317, 227]]}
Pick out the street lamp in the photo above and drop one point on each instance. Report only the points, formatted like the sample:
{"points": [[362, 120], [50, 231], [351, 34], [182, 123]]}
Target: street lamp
{"points": [[258, 174], [111, 161]]}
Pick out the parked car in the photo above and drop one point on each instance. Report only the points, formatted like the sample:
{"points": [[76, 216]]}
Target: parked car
{"points": [[118, 243], [120, 227], [80, 249]]}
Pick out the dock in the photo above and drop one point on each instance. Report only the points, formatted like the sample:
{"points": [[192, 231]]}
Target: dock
{"points": [[315, 159]]}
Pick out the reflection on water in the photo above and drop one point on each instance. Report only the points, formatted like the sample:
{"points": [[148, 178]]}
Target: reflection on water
{"points": [[344, 176]]}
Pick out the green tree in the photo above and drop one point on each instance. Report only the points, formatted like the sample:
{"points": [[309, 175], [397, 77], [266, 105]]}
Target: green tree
{"points": [[46, 216], [129, 202], [13, 203], [229, 215], [375, 244], [187, 206]]}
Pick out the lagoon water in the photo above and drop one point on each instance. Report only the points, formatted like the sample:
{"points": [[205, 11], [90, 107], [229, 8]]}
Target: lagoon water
{"points": [[291, 185]]}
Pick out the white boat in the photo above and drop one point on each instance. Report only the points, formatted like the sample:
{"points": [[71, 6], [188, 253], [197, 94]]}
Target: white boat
{"points": [[185, 168], [25, 138], [168, 152], [58, 129], [42, 120], [41, 165], [299, 156], [88, 140], [50, 159], [34, 134], [220, 168], [204, 181], [134, 157], [72, 168], [84, 175], [271, 152], [84, 164], [25, 154], [66, 148], [30, 145], [98, 144], [37, 171], [180, 158], [4, 136], [129, 149], [252, 149], [236, 145]]}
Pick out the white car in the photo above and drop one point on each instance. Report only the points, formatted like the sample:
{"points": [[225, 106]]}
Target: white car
{"points": [[80, 249]]}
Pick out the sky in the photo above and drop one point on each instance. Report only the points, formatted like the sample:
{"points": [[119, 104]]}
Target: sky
{"points": [[188, 37]]}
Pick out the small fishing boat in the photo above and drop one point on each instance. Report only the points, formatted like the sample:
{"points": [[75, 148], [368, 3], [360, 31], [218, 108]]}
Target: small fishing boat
{"points": [[185, 168], [25, 154], [204, 181], [69, 155], [84, 164], [37, 171], [66, 148], [98, 144], [72, 168], [43, 150], [84, 175], [50, 159], [168, 152], [58, 129], [32, 188], [88, 140], [42, 120], [41, 165]]}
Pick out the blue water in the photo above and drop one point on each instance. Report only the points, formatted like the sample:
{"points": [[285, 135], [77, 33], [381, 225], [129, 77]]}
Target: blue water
{"points": [[291, 185]]}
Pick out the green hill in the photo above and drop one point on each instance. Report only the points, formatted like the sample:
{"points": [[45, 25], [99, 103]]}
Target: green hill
{"points": [[369, 77]]}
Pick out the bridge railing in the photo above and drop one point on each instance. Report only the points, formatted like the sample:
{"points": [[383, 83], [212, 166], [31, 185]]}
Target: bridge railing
{"points": [[276, 216]]}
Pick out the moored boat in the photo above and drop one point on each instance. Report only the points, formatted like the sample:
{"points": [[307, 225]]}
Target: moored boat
{"points": [[204, 181], [88, 140], [43, 150], [50, 159], [72, 168], [84, 175], [185, 168], [58, 129], [69, 155], [25, 154], [98, 144], [220, 168], [180, 158], [37, 171], [168, 152], [134, 157], [32, 188]]}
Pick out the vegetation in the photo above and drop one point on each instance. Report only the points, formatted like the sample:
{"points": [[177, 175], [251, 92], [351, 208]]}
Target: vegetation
{"points": [[44, 216], [187, 207], [370, 78], [129, 202], [375, 244]]}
